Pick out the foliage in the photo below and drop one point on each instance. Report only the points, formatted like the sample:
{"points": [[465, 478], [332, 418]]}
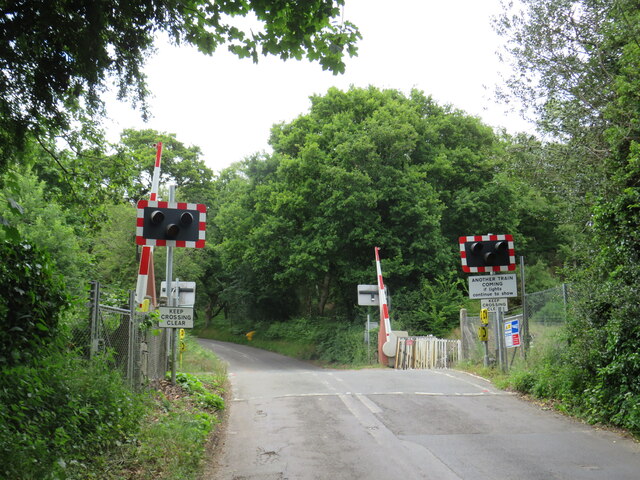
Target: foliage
{"points": [[343, 345], [329, 341], [587, 97], [364, 167], [433, 309], [194, 387], [174, 432], [114, 249], [181, 165], [33, 300], [58, 57], [60, 412], [41, 221]]}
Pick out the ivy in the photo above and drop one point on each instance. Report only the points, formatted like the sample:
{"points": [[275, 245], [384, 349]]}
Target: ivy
{"points": [[31, 304]]}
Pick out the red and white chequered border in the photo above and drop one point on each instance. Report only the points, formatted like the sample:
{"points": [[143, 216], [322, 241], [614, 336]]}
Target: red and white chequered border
{"points": [[201, 208], [485, 238]]}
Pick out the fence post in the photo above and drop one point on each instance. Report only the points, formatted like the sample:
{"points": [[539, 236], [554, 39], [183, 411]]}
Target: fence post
{"points": [[525, 315], [133, 342], [565, 299], [463, 323], [93, 319]]}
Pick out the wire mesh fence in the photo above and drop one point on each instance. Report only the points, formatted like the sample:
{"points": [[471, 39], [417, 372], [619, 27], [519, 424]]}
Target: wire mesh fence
{"points": [[541, 315], [131, 341]]}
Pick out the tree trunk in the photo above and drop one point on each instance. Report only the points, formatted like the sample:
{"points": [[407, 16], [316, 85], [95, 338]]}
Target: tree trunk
{"points": [[324, 293]]}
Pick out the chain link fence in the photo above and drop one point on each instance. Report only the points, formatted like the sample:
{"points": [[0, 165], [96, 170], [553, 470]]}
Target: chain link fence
{"points": [[541, 315], [132, 340]]}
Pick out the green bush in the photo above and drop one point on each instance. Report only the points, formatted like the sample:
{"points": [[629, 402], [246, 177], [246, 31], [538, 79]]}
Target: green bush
{"points": [[433, 309], [301, 329], [193, 386], [32, 300], [59, 412], [343, 345]]}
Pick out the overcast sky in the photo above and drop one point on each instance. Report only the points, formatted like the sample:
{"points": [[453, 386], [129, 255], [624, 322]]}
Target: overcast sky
{"points": [[226, 106]]}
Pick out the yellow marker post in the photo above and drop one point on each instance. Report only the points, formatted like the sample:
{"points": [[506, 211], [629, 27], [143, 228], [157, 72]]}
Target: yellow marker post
{"points": [[183, 347], [483, 335], [484, 316], [144, 306]]}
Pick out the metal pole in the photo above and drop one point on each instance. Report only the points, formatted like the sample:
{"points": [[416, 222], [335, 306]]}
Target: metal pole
{"points": [[486, 353], [170, 302], [131, 356], [499, 336], [496, 328], [368, 338], [565, 300], [504, 357], [95, 301], [525, 318]]}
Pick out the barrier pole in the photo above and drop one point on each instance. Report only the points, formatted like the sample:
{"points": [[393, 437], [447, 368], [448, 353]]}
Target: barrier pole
{"points": [[385, 322], [146, 254]]}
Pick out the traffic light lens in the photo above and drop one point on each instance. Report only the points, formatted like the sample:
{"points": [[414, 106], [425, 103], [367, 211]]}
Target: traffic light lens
{"points": [[172, 230], [157, 217], [501, 246], [186, 218], [476, 247]]}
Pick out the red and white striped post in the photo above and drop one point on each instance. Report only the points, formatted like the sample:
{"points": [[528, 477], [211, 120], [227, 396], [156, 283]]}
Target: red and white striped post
{"points": [[146, 257], [385, 322]]}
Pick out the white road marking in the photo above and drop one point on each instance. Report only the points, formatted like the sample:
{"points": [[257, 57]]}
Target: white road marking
{"points": [[368, 403]]}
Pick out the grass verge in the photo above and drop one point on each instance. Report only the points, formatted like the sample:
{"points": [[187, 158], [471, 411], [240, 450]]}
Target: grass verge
{"points": [[180, 420]]}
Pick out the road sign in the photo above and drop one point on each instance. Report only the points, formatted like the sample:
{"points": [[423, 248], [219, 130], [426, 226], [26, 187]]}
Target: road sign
{"points": [[175, 317], [493, 304], [368, 295], [186, 292], [493, 286], [512, 334]]}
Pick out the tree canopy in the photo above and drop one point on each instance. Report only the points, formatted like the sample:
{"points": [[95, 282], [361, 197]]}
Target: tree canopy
{"points": [[577, 63], [364, 168], [58, 56]]}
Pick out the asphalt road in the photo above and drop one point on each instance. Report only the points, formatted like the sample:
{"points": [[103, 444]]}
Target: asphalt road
{"points": [[292, 420]]}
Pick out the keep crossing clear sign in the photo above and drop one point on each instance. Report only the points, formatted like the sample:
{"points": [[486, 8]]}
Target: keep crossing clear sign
{"points": [[175, 317], [495, 304]]}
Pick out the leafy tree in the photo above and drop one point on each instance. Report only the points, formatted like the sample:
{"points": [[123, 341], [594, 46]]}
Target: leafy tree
{"points": [[114, 249], [42, 222], [579, 59], [363, 168], [58, 56], [181, 165], [433, 308]]}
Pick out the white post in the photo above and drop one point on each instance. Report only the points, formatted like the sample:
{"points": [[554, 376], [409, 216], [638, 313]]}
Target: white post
{"points": [[170, 298]]}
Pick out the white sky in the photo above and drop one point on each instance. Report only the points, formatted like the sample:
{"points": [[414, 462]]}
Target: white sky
{"points": [[227, 106]]}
